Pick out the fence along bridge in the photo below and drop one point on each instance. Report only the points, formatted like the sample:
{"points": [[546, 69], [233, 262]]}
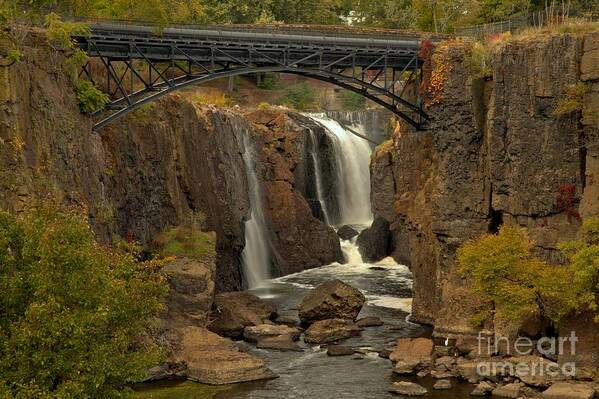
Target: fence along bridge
{"points": [[138, 66]]}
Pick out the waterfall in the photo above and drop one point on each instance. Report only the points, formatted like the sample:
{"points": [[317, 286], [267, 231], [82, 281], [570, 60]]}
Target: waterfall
{"points": [[352, 173], [256, 255], [318, 176]]}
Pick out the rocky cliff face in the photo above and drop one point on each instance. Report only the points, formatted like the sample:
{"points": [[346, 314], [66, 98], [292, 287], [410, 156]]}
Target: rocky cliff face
{"points": [[163, 165], [494, 153]]}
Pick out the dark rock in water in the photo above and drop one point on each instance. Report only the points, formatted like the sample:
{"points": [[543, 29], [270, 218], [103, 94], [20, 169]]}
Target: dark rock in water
{"points": [[373, 243], [233, 311], [347, 232], [377, 268], [371, 321], [385, 352], [331, 300], [408, 389], [287, 321], [327, 331], [339, 350]]}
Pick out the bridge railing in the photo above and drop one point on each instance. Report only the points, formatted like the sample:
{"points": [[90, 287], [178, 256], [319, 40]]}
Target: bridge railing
{"points": [[304, 29]]}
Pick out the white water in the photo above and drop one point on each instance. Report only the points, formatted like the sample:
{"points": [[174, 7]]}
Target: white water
{"points": [[256, 255], [318, 176], [352, 173]]}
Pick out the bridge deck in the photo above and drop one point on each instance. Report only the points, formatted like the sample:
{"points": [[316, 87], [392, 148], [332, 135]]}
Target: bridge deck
{"points": [[115, 40]]}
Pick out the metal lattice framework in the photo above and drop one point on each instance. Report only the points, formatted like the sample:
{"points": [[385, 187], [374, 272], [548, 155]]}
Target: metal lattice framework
{"points": [[139, 66]]}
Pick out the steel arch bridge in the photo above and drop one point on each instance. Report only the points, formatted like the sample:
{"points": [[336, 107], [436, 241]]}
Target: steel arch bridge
{"points": [[139, 65]]}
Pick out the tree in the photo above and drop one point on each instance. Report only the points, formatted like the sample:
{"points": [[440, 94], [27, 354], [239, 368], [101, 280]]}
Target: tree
{"points": [[503, 270], [72, 312], [583, 255]]}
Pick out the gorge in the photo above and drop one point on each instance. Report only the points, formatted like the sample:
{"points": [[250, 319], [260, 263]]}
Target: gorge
{"points": [[276, 187]]}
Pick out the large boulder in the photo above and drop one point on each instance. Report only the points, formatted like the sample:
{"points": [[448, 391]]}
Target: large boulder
{"points": [[327, 331], [508, 391], [331, 300], [373, 242], [569, 390], [418, 351], [347, 232], [233, 311], [191, 290], [201, 355]]}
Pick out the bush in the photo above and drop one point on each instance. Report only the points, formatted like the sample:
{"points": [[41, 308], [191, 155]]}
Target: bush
{"points": [[573, 100], [188, 241], [90, 97], [352, 101], [73, 312], [268, 81], [219, 100], [264, 105], [478, 60], [60, 33], [503, 270], [300, 96]]}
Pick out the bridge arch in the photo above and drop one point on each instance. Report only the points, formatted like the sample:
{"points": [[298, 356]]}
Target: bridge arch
{"points": [[379, 70]]}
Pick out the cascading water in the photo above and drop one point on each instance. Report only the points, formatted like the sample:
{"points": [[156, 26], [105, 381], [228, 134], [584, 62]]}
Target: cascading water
{"points": [[352, 174], [318, 177], [256, 255]]}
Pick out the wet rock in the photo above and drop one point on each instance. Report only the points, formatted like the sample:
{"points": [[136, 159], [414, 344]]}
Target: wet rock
{"points": [[283, 343], [403, 367], [442, 374], [211, 359], [408, 389], [339, 350], [233, 311], [508, 391], [422, 374], [331, 300], [483, 389], [371, 321], [347, 232], [385, 352], [261, 331], [442, 384], [373, 242], [569, 390], [327, 331], [467, 369], [288, 321], [413, 350]]}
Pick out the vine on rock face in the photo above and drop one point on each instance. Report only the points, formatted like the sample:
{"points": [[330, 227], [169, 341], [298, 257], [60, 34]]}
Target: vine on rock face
{"points": [[441, 66], [566, 200]]}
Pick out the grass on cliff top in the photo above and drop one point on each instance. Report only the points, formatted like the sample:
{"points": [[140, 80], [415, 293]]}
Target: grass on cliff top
{"points": [[180, 390], [186, 241], [573, 25]]}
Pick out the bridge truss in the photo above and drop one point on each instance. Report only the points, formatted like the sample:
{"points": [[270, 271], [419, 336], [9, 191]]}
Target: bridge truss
{"points": [[137, 66]]}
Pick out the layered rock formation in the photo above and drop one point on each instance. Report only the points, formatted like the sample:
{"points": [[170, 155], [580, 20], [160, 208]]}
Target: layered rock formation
{"points": [[494, 153], [165, 164]]}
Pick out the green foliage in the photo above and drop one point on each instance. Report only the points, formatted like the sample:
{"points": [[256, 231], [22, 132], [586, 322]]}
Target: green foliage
{"points": [[90, 97], [188, 241], [60, 32], [478, 60], [503, 270], [300, 96], [14, 55], [352, 101], [263, 105], [573, 100], [268, 81], [583, 255], [73, 311]]}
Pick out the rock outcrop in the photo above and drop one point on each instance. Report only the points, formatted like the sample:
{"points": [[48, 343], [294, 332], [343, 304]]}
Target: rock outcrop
{"points": [[495, 152], [234, 311], [373, 242], [331, 300]]}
